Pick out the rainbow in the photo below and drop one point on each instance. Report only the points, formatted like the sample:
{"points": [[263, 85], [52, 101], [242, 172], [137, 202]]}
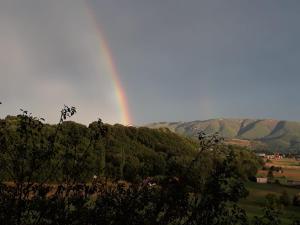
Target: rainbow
{"points": [[112, 69]]}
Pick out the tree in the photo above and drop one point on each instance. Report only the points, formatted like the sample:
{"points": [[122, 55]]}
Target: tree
{"points": [[296, 200], [122, 163], [102, 161], [26, 158], [270, 175], [284, 198], [271, 217]]}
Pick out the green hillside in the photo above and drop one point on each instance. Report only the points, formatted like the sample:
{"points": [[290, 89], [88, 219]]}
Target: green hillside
{"points": [[123, 151], [282, 136], [256, 130]]}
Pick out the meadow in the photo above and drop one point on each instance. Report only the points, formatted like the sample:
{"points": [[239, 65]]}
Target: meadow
{"points": [[285, 162], [254, 203]]}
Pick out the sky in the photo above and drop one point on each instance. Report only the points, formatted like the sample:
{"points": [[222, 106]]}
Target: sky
{"points": [[176, 60]]}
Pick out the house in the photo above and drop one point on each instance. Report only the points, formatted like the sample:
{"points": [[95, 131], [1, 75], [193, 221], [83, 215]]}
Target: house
{"points": [[262, 155], [262, 180], [278, 156]]}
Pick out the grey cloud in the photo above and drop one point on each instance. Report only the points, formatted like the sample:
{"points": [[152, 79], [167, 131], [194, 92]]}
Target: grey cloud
{"points": [[50, 55], [178, 60]]}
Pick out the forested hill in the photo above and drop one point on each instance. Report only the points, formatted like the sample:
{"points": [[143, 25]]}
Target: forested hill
{"points": [[54, 173], [122, 152], [273, 135]]}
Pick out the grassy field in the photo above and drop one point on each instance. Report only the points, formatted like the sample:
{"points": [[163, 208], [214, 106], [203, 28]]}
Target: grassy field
{"points": [[254, 203], [289, 174], [285, 162], [291, 169]]}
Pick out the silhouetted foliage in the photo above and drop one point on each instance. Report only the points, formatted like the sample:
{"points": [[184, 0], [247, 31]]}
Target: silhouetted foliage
{"points": [[47, 175], [271, 217]]}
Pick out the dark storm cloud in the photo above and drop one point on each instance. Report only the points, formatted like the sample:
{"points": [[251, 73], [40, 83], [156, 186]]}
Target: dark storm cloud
{"points": [[178, 60], [201, 59]]}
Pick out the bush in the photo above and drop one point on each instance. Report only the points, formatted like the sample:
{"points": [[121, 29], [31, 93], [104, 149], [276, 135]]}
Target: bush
{"points": [[285, 199], [270, 175], [296, 200], [264, 168], [272, 200]]}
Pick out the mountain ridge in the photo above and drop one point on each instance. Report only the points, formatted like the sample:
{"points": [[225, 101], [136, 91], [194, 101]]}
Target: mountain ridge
{"points": [[279, 135]]}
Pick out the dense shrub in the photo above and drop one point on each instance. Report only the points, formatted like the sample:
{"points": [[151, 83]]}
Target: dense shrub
{"points": [[285, 198]]}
